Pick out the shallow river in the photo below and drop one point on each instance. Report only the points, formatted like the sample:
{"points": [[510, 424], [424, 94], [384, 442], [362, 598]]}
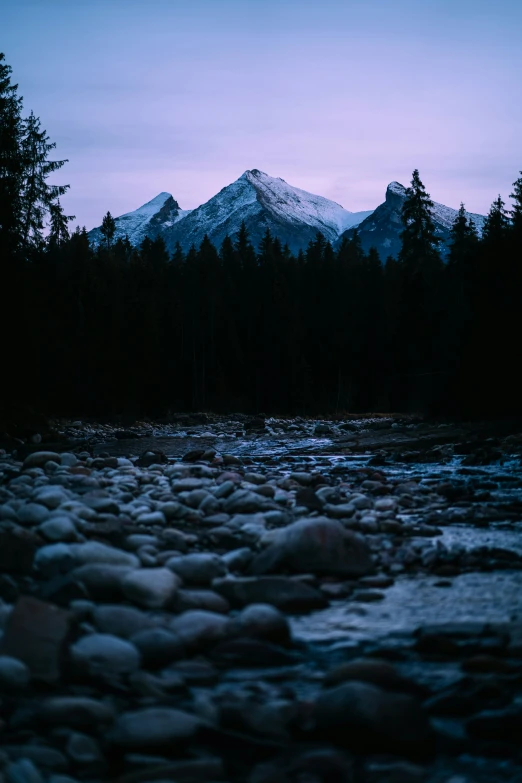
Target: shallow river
{"points": [[411, 601]]}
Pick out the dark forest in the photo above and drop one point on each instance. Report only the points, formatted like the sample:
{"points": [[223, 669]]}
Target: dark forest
{"points": [[133, 331]]}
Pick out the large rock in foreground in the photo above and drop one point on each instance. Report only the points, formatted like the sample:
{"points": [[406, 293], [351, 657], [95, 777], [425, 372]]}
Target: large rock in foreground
{"points": [[318, 545]]}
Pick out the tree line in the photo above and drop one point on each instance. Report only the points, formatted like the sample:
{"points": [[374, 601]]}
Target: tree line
{"points": [[117, 329]]}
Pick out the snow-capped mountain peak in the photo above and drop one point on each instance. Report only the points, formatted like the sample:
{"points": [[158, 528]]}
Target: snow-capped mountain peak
{"points": [[382, 229], [262, 201], [151, 219]]}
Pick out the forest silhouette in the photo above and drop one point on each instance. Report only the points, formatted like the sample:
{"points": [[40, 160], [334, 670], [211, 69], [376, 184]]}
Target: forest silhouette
{"points": [[130, 330]]}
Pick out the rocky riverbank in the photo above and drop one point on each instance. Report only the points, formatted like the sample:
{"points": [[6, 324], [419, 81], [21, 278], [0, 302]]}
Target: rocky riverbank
{"points": [[262, 601]]}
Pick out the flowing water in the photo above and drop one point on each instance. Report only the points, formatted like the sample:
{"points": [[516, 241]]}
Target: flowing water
{"points": [[411, 601]]}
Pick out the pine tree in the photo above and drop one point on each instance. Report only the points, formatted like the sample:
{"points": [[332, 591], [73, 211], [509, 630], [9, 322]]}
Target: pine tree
{"points": [[420, 313], [178, 256], [419, 242], [59, 230], [496, 223], [516, 212], [108, 229], [463, 238], [11, 166], [37, 196]]}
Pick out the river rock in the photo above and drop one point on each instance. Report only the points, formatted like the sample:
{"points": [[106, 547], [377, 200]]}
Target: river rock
{"points": [[103, 582], [151, 518], [243, 501], [158, 647], [238, 559], [198, 568], [51, 496], [152, 588], [198, 629], [119, 620], [96, 552], [263, 621], [59, 528], [286, 594], [104, 655], [39, 458], [154, 728], [201, 599], [32, 514], [54, 559]]}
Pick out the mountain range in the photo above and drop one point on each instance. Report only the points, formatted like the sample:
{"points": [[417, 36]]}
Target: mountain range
{"points": [[292, 214]]}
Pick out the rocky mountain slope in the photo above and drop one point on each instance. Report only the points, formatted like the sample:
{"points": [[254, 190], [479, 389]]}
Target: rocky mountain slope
{"points": [[292, 214], [383, 227], [152, 219]]}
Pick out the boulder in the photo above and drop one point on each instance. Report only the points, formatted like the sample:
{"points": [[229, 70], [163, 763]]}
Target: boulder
{"points": [[317, 545]]}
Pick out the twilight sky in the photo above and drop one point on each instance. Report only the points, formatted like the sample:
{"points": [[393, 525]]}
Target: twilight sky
{"points": [[338, 97]]}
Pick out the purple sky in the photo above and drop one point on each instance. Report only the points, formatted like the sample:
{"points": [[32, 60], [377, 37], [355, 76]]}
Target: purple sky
{"points": [[338, 97]]}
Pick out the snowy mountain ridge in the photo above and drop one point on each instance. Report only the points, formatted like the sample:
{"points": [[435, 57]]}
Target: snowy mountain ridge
{"points": [[150, 220], [263, 202]]}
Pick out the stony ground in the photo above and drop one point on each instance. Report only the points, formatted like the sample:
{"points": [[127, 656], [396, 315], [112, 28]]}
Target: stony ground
{"points": [[193, 602]]}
